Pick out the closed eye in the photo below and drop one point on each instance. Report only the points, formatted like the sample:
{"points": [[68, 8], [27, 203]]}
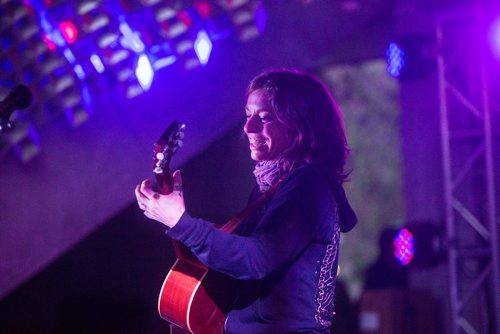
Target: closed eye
{"points": [[266, 117]]}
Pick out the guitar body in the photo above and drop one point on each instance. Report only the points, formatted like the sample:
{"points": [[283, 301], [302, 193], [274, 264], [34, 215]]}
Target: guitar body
{"points": [[185, 300]]}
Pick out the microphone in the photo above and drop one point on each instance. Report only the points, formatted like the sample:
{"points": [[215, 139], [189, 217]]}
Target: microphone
{"points": [[20, 97]]}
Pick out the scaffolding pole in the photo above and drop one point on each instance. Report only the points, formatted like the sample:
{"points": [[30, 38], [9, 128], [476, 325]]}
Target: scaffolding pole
{"points": [[468, 178]]}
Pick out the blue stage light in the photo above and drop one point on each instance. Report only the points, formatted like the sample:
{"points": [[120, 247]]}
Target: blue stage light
{"points": [[80, 73], [97, 62], [70, 57], [395, 59], [144, 72], [203, 47], [130, 39]]}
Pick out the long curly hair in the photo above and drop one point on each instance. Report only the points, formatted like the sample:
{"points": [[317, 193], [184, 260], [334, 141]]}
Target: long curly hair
{"points": [[302, 103]]}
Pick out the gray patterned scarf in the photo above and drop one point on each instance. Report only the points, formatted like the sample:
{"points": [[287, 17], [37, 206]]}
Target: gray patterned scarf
{"points": [[269, 172]]}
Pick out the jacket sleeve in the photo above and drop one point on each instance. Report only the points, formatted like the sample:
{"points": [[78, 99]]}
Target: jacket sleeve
{"points": [[300, 212]]}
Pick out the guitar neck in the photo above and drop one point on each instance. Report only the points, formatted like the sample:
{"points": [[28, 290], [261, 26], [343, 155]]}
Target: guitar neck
{"points": [[165, 183]]}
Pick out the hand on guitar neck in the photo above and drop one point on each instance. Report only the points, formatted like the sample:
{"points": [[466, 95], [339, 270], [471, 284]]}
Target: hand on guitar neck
{"points": [[166, 209], [167, 205]]}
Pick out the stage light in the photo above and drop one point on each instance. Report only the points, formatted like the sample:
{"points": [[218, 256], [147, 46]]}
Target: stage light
{"points": [[162, 56], [107, 39], [71, 98], [203, 47], [117, 57], [69, 31], [76, 102], [27, 148], [29, 29], [70, 57], [18, 11], [64, 82], [395, 59], [166, 12], [97, 63], [53, 36], [24, 139], [125, 74], [187, 54], [204, 9], [248, 16], [87, 6], [50, 43], [95, 22], [176, 29], [412, 57], [133, 90], [403, 247], [164, 62], [80, 73], [144, 72], [49, 63], [77, 116], [495, 37], [130, 39], [185, 18], [420, 244]]}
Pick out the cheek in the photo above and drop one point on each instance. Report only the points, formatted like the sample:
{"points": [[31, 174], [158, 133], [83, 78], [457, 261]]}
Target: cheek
{"points": [[280, 138]]}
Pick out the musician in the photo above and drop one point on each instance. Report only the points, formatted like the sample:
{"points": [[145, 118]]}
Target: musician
{"points": [[286, 252]]}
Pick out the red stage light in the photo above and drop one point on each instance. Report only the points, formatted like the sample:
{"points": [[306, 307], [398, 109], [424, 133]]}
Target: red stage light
{"points": [[50, 43], [403, 247], [185, 18], [69, 31], [204, 9]]}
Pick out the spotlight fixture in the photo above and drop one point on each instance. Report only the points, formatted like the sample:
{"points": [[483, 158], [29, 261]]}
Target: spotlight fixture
{"points": [[411, 57], [420, 244]]}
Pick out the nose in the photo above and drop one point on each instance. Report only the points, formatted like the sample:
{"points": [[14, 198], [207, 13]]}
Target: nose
{"points": [[252, 124]]}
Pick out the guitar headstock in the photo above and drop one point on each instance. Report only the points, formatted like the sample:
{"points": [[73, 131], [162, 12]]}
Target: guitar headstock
{"points": [[165, 147]]}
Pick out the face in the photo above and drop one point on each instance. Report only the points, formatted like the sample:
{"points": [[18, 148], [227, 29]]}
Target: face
{"points": [[267, 136]]}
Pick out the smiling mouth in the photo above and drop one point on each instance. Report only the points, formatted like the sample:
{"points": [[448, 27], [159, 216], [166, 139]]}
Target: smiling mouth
{"points": [[254, 143]]}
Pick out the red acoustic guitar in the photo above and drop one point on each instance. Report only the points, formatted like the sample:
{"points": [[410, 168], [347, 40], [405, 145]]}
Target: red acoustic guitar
{"points": [[191, 297], [187, 295]]}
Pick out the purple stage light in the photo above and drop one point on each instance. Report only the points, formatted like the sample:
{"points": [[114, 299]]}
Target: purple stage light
{"points": [[495, 37], [203, 47], [404, 247]]}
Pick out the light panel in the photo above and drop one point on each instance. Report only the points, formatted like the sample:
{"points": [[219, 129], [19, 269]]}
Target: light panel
{"points": [[203, 47]]}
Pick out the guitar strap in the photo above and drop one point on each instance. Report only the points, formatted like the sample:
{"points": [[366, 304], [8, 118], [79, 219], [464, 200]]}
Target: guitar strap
{"points": [[234, 222]]}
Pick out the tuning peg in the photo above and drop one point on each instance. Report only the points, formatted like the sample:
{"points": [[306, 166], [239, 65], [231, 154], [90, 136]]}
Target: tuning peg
{"points": [[160, 156], [179, 143]]}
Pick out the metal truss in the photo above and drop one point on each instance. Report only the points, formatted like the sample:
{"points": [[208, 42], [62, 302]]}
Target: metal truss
{"points": [[468, 182]]}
